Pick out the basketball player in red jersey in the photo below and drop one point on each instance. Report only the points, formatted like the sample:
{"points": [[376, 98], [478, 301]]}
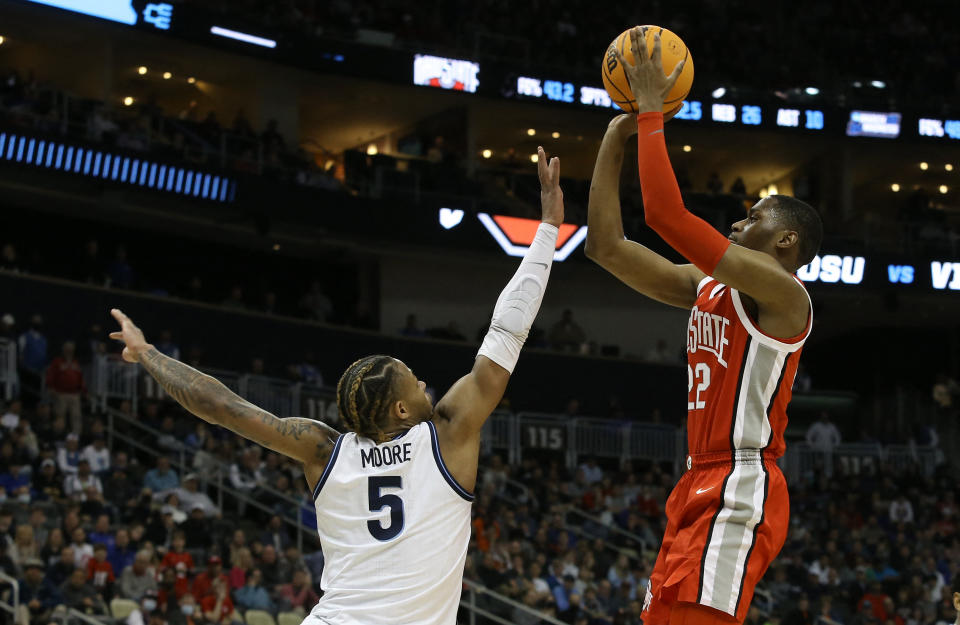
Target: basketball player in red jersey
{"points": [[727, 517]]}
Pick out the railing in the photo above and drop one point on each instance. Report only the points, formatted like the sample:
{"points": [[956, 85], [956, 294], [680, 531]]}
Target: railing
{"points": [[609, 528], [474, 603], [112, 378], [802, 461], [273, 395], [14, 605], [216, 480], [71, 616], [8, 369]]}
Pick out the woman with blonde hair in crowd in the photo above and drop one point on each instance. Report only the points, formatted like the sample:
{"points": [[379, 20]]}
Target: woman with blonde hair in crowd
{"points": [[24, 547], [242, 563]]}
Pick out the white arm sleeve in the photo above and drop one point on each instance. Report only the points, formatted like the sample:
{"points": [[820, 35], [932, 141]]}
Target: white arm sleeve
{"points": [[520, 301]]}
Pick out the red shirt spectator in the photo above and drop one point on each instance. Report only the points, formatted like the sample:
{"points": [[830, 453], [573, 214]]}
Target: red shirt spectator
{"points": [[172, 559], [210, 602], [65, 376], [203, 583], [100, 572]]}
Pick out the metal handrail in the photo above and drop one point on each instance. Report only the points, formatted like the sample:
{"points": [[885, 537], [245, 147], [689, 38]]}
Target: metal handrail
{"points": [[223, 469], [73, 613], [614, 527], [477, 588], [15, 593], [8, 368]]}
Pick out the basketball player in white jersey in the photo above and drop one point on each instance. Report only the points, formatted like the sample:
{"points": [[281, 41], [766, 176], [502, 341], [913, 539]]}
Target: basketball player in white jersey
{"points": [[393, 494]]}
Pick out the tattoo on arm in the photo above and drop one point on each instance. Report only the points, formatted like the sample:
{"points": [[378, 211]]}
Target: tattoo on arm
{"points": [[213, 402]]}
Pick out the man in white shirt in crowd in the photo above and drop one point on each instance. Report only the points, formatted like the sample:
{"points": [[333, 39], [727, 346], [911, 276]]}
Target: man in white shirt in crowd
{"points": [[190, 496], [97, 454], [76, 485], [901, 510], [11, 418], [823, 436]]}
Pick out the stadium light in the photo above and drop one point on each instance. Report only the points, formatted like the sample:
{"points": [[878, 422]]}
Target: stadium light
{"points": [[142, 70], [534, 158], [487, 153], [924, 166], [244, 37], [531, 132], [948, 167], [879, 84], [812, 91], [719, 92], [372, 149], [555, 135], [944, 189], [687, 148], [167, 75], [2, 40], [191, 80], [895, 187], [128, 101]]}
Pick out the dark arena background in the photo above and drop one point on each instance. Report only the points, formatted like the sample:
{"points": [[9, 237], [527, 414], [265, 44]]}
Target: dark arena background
{"points": [[272, 189]]}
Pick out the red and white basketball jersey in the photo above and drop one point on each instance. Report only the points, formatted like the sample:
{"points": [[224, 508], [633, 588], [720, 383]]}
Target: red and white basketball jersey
{"points": [[739, 378]]}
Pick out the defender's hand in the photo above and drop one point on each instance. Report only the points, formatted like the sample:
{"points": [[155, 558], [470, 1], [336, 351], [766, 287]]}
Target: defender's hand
{"points": [[621, 128], [551, 195], [131, 335], [647, 81]]}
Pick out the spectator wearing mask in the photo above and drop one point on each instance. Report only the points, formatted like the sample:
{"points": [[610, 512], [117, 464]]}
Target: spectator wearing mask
{"points": [[148, 612]]}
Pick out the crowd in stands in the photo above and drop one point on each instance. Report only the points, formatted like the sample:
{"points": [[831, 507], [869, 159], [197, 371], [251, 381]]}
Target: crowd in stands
{"points": [[907, 47], [83, 524], [27, 102]]}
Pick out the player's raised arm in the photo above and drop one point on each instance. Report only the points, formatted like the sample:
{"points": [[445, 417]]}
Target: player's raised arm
{"points": [[305, 440], [635, 265], [753, 272], [461, 413]]}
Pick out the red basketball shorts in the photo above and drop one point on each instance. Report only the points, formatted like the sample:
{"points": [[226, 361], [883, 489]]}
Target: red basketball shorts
{"points": [[726, 522]]}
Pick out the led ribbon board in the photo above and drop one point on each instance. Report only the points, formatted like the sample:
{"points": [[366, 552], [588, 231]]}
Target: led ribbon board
{"points": [[515, 234], [160, 14], [105, 165]]}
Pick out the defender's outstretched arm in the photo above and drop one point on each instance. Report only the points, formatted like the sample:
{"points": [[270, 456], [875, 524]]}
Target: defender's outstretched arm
{"points": [[460, 415], [305, 440]]}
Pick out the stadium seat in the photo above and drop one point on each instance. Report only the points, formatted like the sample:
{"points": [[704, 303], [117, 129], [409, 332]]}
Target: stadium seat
{"points": [[258, 617], [121, 608], [290, 618]]}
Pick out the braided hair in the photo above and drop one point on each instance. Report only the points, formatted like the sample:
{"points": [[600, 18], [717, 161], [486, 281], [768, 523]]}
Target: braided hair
{"points": [[364, 396]]}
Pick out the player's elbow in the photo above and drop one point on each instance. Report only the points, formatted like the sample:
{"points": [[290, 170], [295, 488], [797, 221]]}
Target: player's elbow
{"points": [[597, 249]]}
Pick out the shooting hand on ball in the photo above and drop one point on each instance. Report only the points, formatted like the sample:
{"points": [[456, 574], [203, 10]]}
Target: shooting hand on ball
{"points": [[648, 82]]}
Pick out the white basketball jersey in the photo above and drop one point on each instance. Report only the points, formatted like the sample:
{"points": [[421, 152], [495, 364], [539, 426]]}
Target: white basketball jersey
{"points": [[395, 527]]}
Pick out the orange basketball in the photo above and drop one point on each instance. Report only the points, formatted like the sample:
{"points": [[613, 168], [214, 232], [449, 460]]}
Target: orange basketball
{"points": [[673, 50]]}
